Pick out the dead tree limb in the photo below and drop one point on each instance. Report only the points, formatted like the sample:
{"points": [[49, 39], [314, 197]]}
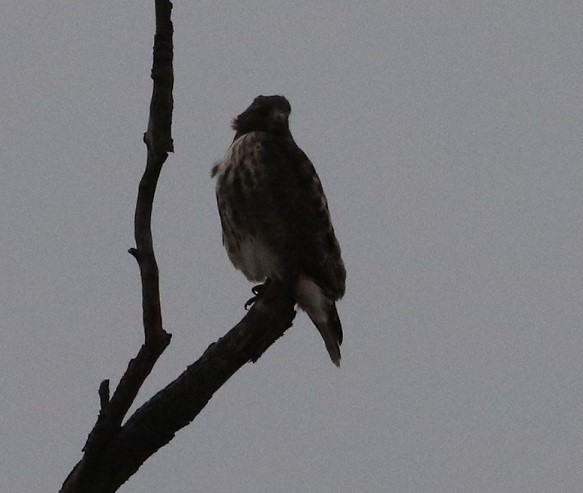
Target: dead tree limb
{"points": [[113, 452], [154, 424]]}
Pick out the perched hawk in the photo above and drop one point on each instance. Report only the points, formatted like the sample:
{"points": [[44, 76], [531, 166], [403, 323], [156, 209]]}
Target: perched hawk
{"points": [[275, 218]]}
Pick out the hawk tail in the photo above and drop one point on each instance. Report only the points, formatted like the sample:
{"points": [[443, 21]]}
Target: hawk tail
{"points": [[322, 311], [331, 332]]}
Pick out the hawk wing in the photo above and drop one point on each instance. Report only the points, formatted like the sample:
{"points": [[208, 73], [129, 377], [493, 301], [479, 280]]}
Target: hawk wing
{"points": [[297, 194]]}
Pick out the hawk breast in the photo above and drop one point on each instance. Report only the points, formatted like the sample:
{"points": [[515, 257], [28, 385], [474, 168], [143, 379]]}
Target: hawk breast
{"points": [[244, 208]]}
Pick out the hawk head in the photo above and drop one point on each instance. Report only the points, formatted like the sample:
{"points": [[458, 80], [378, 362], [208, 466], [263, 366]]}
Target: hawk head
{"points": [[266, 114]]}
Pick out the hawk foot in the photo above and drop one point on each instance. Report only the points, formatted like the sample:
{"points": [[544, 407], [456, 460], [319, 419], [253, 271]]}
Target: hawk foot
{"points": [[256, 290]]}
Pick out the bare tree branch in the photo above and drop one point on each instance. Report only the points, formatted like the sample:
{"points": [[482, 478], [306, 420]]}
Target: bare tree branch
{"points": [[156, 422], [114, 452], [159, 142]]}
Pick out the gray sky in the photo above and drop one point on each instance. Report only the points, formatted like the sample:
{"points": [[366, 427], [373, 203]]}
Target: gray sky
{"points": [[448, 136]]}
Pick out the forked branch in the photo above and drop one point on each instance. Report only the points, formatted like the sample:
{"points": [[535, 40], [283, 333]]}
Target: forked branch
{"points": [[113, 452]]}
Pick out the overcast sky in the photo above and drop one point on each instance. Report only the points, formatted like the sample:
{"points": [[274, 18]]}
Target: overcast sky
{"points": [[448, 137]]}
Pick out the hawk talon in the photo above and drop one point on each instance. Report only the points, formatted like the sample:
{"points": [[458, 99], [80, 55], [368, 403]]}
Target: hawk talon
{"points": [[250, 302], [256, 290]]}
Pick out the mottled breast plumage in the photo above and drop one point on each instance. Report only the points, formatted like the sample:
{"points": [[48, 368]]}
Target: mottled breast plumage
{"points": [[246, 210]]}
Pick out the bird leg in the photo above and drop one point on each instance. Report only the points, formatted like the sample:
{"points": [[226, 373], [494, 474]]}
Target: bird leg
{"points": [[257, 291]]}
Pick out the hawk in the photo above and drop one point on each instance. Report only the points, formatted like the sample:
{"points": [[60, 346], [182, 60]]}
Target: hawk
{"points": [[274, 215]]}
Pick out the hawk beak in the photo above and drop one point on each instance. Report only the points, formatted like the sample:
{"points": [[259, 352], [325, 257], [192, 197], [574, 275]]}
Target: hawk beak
{"points": [[279, 117]]}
